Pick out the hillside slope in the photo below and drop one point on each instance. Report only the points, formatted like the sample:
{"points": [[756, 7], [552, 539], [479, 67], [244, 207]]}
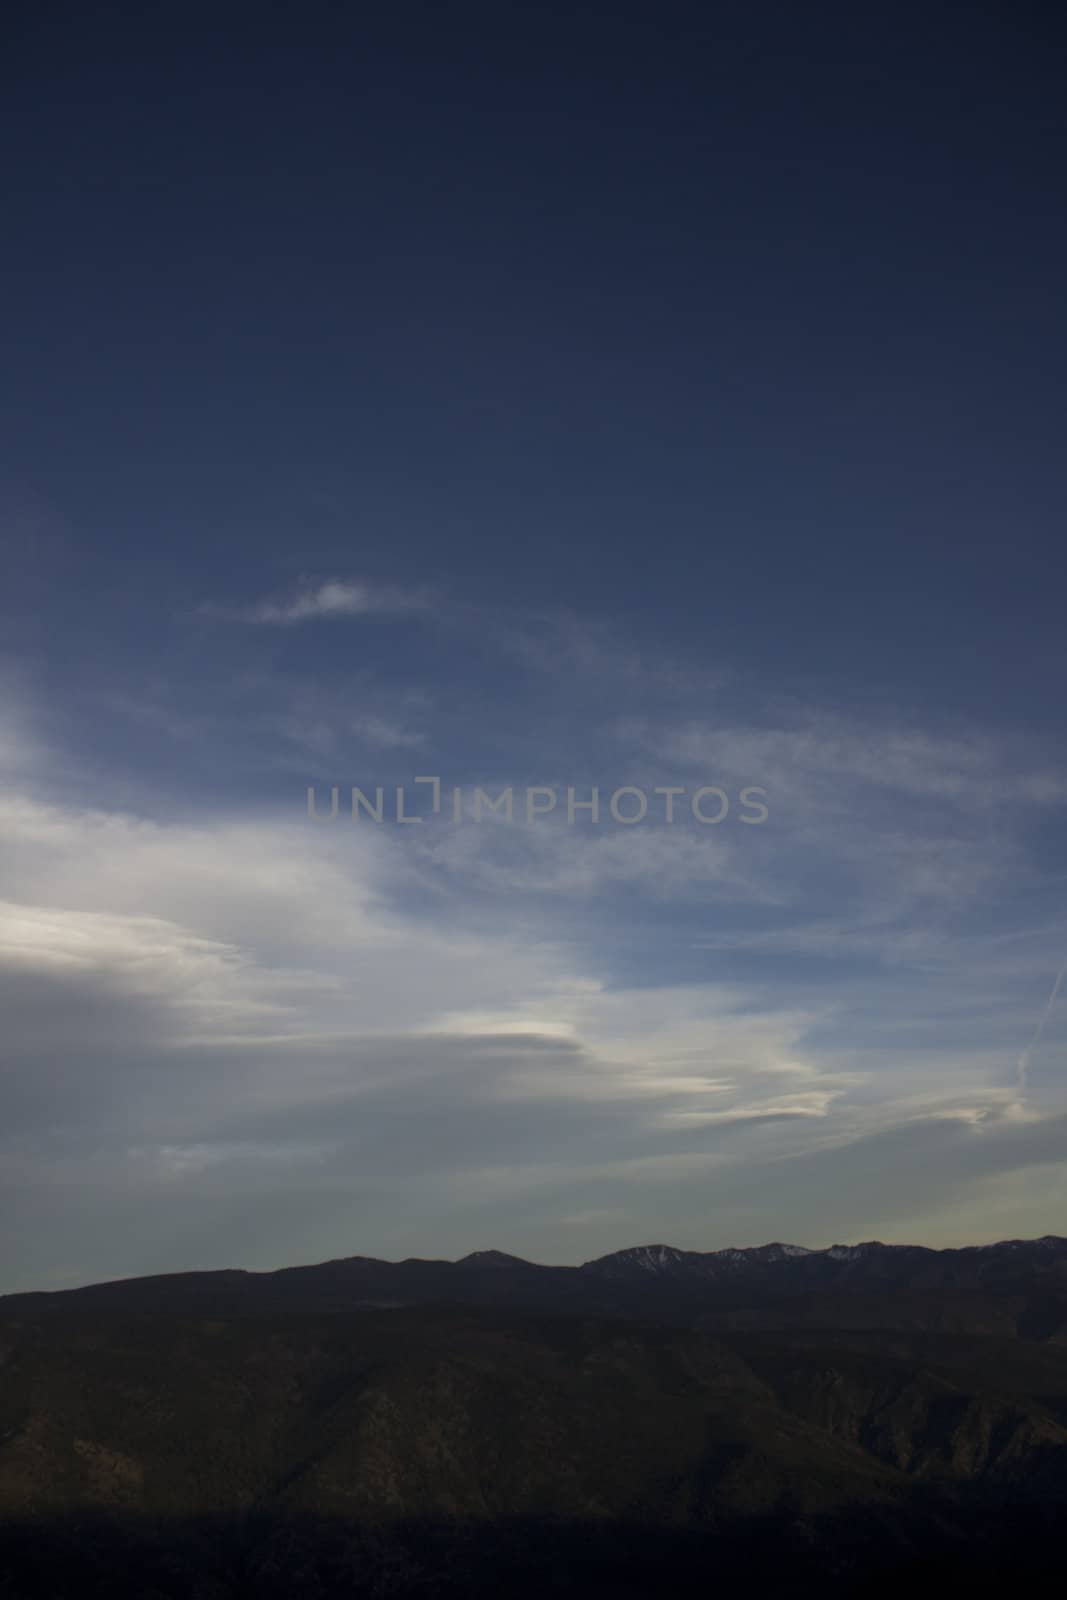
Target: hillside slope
{"points": [[492, 1437]]}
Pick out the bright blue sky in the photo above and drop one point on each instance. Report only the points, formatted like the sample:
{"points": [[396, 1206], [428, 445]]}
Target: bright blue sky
{"points": [[530, 395]]}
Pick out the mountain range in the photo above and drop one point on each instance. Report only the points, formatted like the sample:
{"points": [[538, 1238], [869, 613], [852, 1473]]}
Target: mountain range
{"points": [[1016, 1287], [842, 1419]]}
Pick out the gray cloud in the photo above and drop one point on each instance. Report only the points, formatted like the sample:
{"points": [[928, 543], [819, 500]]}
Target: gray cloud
{"points": [[244, 1038], [329, 600]]}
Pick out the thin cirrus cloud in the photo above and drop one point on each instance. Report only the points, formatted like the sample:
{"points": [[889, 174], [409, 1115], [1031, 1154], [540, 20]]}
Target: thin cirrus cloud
{"points": [[279, 1035], [327, 601], [255, 1028], [280, 1040]]}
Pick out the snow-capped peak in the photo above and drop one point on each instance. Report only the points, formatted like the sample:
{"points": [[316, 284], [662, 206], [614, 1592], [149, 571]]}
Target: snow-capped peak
{"points": [[645, 1257], [654, 1257], [765, 1252]]}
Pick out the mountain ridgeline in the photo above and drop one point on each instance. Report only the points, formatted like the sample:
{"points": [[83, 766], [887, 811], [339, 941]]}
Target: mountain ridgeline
{"points": [[1017, 1287], [657, 1420]]}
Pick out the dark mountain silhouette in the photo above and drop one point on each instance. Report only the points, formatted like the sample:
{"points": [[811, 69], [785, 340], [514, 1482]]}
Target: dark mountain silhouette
{"points": [[1015, 1287], [656, 1419]]}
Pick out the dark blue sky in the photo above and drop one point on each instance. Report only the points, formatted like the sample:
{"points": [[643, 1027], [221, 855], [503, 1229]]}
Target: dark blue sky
{"points": [[540, 394], [749, 314]]}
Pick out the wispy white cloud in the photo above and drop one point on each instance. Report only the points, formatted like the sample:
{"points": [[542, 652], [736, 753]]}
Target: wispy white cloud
{"points": [[554, 858], [328, 600], [300, 1020], [812, 757], [594, 654], [383, 731]]}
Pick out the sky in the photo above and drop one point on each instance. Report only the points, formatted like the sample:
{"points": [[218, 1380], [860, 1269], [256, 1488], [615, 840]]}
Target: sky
{"points": [[537, 399]]}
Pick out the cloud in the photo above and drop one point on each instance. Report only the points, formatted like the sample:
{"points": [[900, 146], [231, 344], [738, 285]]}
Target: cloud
{"points": [[819, 758], [243, 1030], [381, 731], [329, 600], [596, 656], [554, 858], [274, 1020]]}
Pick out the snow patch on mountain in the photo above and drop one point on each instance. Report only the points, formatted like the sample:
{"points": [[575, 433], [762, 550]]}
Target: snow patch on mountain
{"points": [[652, 1258], [764, 1252]]}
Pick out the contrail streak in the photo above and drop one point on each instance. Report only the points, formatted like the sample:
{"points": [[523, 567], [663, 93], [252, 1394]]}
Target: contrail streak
{"points": [[1024, 1059]]}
